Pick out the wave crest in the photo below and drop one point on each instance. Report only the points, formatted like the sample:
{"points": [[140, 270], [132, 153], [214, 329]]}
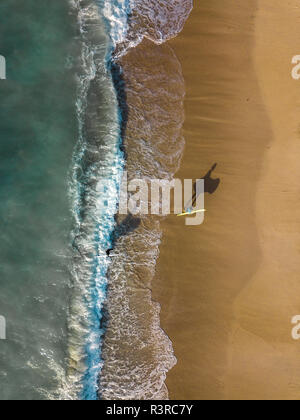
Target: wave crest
{"points": [[131, 21]]}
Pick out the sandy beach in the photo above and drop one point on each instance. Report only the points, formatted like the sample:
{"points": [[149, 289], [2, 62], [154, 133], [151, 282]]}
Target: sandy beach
{"points": [[229, 288]]}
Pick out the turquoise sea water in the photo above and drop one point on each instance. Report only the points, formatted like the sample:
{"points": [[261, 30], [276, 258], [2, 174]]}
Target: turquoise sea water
{"points": [[38, 131], [60, 138], [76, 328]]}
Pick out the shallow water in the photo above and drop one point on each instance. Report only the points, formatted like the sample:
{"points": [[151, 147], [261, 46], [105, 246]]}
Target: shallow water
{"points": [[137, 353]]}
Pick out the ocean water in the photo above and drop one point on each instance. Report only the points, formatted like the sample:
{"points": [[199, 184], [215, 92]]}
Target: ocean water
{"points": [[91, 90], [38, 131]]}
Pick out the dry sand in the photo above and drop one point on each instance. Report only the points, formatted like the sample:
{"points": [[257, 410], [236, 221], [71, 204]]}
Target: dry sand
{"points": [[230, 287]]}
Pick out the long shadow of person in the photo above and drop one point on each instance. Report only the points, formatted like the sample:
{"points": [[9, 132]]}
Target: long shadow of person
{"points": [[210, 184]]}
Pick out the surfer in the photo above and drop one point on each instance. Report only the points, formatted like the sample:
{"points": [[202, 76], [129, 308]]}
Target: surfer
{"points": [[210, 186]]}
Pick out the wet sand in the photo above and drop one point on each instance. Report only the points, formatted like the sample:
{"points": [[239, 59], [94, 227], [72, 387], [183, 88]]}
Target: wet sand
{"points": [[230, 287]]}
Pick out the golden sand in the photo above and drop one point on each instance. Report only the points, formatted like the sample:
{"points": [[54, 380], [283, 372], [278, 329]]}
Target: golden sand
{"points": [[230, 287]]}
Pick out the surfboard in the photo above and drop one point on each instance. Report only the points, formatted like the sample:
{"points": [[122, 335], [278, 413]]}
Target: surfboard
{"points": [[191, 213]]}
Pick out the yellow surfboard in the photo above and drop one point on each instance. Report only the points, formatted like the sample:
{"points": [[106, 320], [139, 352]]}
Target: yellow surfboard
{"points": [[191, 213]]}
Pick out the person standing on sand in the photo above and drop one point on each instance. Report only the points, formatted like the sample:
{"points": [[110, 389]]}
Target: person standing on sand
{"points": [[210, 186]]}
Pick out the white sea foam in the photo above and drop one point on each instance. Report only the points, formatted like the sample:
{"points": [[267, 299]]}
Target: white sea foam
{"points": [[131, 21], [137, 353], [97, 157], [116, 12]]}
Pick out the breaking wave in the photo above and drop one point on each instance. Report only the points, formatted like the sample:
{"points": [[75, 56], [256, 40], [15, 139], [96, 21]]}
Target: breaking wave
{"points": [[130, 97]]}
